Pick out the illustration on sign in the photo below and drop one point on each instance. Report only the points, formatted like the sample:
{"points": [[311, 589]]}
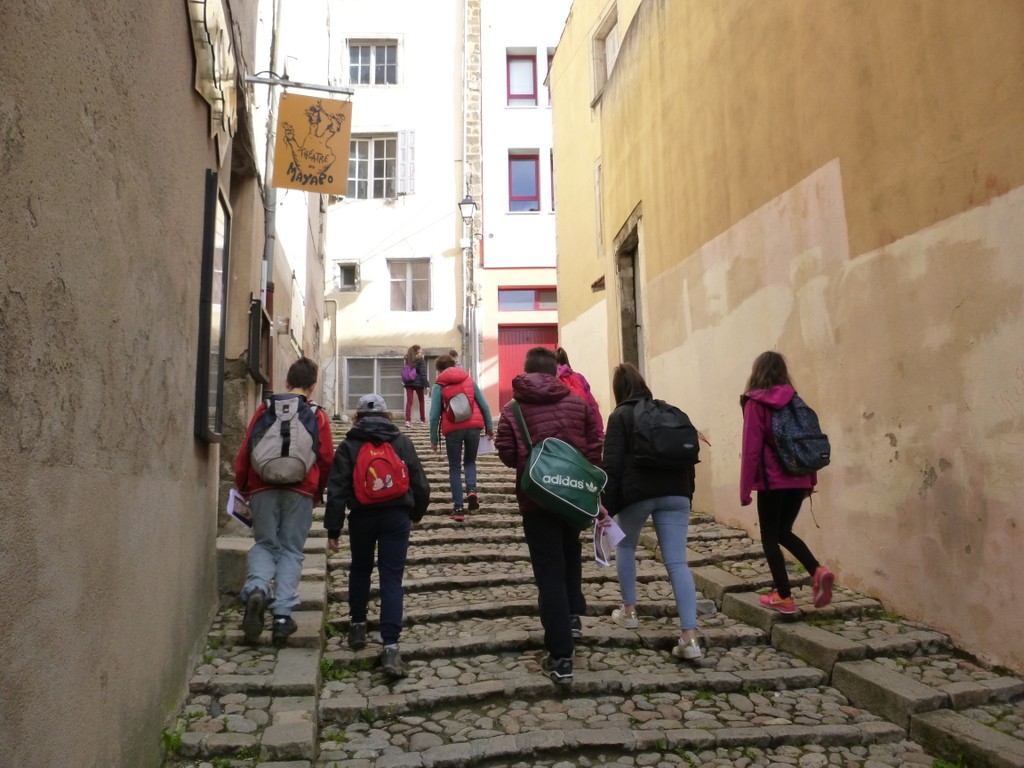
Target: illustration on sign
{"points": [[311, 135]]}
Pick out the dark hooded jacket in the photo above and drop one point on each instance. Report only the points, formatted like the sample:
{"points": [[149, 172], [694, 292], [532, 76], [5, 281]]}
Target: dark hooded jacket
{"points": [[628, 482], [550, 409], [340, 495]]}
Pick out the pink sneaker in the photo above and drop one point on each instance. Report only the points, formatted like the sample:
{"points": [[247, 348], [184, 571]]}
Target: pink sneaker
{"points": [[786, 605], [821, 584]]}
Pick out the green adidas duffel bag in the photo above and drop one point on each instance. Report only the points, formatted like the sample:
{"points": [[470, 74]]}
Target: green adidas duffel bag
{"points": [[560, 479]]}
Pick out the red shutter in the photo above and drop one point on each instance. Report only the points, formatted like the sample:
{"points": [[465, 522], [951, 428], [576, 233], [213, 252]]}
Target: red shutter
{"points": [[514, 341]]}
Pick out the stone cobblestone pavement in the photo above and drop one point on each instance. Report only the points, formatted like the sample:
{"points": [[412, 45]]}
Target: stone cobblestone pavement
{"points": [[849, 685]]}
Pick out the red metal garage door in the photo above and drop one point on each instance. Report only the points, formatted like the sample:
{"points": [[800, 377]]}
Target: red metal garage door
{"points": [[513, 343]]}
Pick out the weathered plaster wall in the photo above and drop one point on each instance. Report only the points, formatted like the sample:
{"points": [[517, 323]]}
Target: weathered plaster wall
{"points": [[917, 381], [844, 187], [106, 513]]}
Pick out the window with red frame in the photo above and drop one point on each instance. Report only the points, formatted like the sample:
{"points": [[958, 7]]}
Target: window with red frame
{"points": [[523, 182], [551, 56], [527, 299], [522, 80]]}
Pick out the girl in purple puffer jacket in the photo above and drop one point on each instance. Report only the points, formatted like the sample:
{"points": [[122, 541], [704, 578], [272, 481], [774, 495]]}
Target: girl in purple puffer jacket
{"points": [[779, 494]]}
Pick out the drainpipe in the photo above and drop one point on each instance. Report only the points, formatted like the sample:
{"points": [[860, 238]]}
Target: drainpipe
{"points": [[334, 350], [468, 276], [269, 191]]}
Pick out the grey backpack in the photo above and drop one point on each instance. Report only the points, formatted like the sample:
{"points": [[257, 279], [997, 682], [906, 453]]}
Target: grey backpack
{"points": [[459, 407], [282, 446]]}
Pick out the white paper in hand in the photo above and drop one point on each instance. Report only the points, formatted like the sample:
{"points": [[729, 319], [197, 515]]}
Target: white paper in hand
{"points": [[486, 445], [239, 509], [605, 540]]}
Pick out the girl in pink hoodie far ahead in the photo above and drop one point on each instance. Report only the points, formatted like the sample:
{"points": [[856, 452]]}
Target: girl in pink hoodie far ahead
{"points": [[779, 494]]}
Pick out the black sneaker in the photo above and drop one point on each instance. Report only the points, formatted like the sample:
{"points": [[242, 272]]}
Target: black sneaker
{"points": [[357, 635], [471, 501], [577, 626], [559, 670], [252, 622], [281, 628], [391, 662], [457, 515]]}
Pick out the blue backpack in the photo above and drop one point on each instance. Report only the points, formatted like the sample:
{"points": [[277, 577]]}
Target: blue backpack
{"points": [[800, 445]]}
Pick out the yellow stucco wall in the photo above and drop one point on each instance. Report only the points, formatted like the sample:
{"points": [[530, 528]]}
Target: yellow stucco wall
{"points": [[840, 182]]}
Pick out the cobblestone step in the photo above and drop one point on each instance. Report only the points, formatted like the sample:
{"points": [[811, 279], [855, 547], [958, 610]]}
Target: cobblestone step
{"points": [[439, 638], [645, 716], [599, 670], [847, 686]]}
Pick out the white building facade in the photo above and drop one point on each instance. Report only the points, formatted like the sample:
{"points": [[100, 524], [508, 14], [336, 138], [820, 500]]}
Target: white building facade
{"points": [[395, 265], [516, 250]]}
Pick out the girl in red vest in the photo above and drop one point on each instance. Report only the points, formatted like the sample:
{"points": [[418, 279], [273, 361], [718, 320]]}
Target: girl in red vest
{"points": [[461, 435]]}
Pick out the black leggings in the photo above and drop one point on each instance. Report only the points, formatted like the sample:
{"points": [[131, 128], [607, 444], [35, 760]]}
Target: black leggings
{"points": [[776, 513]]}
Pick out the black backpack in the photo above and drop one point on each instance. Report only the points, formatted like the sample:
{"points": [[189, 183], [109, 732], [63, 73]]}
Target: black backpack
{"points": [[800, 445], [663, 436]]}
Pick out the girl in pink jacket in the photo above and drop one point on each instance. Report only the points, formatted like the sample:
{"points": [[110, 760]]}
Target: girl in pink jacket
{"points": [[779, 494]]}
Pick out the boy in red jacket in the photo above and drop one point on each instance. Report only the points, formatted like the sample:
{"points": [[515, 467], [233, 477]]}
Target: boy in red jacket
{"points": [[281, 518]]}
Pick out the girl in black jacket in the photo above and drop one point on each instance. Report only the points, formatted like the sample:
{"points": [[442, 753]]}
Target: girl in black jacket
{"points": [[636, 492], [414, 358]]}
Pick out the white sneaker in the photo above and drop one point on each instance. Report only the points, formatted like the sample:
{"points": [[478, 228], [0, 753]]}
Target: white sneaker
{"points": [[623, 619], [687, 649]]}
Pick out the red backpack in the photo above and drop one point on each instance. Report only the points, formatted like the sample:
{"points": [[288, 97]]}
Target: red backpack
{"points": [[380, 474], [573, 382]]}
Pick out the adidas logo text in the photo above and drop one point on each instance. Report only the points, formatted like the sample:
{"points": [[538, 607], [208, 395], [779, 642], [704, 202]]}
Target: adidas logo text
{"points": [[563, 480]]}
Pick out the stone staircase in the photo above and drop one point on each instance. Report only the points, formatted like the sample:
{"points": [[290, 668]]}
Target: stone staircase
{"points": [[848, 685]]}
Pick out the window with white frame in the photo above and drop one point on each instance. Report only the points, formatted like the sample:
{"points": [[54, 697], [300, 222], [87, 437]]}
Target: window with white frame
{"points": [[371, 167], [410, 285], [348, 277], [372, 62], [382, 167], [521, 67], [605, 47], [523, 181], [377, 375]]}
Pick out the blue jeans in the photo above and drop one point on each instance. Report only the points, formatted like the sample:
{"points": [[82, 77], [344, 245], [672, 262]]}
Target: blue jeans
{"points": [[386, 531], [280, 524], [453, 445], [671, 521]]}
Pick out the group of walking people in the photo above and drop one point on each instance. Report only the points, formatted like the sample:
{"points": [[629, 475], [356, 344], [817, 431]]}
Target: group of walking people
{"points": [[637, 491], [553, 401]]}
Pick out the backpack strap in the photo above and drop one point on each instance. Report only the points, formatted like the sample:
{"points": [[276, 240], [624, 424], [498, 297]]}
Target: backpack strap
{"points": [[522, 424], [638, 408]]}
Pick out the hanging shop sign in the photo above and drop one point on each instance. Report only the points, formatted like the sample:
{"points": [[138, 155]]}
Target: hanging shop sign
{"points": [[215, 66], [312, 144]]}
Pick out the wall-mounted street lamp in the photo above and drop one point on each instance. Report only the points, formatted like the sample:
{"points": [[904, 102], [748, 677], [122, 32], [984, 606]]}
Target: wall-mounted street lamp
{"points": [[468, 209]]}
